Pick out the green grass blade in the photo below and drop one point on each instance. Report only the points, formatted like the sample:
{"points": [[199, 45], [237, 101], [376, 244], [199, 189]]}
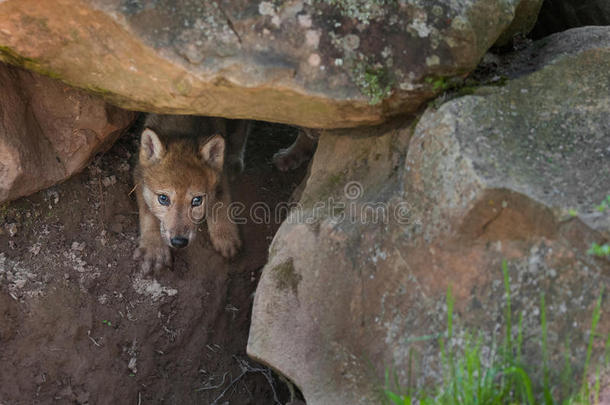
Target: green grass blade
{"points": [[395, 398], [469, 380], [597, 386], [520, 338], [597, 312], [449, 355], [607, 351], [450, 302], [507, 314], [548, 398], [525, 380], [566, 373]]}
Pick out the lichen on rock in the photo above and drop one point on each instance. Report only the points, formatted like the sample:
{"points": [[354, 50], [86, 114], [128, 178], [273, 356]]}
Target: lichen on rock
{"points": [[268, 60], [480, 179]]}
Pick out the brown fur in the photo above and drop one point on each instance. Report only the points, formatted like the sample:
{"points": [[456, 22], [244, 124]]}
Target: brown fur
{"points": [[299, 152], [183, 157]]}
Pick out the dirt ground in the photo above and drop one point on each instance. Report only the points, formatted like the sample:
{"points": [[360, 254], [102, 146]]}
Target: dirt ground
{"points": [[80, 324]]}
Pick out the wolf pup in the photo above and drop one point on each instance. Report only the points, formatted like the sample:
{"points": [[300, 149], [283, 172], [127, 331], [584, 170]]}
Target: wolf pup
{"points": [[180, 179]]}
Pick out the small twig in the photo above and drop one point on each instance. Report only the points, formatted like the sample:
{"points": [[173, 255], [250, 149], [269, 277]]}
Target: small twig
{"points": [[290, 386], [228, 387], [213, 387], [93, 340], [247, 390], [132, 190], [245, 369], [269, 378], [233, 309]]}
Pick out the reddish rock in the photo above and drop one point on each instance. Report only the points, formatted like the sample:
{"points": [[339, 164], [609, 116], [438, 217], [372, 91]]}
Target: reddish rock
{"points": [[318, 64], [49, 131]]}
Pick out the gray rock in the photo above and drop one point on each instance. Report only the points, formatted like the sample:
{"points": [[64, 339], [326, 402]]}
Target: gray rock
{"points": [[493, 176]]}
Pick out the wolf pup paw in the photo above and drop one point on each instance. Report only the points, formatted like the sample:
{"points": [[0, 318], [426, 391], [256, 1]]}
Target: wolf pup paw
{"points": [[153, 256], [298, 153], [225, 239], [285, 159]]}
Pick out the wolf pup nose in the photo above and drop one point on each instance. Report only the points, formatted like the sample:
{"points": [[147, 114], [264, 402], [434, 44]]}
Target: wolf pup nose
{"points": [[179, 242], [180, 177]]}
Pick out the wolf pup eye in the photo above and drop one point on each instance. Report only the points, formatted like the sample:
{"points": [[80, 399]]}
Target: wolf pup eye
{"points": [[196, 202], [163, 199]]}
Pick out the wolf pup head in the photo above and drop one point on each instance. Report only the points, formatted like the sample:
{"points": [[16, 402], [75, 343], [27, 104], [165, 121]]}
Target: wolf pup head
{"points": [[178, 182]]}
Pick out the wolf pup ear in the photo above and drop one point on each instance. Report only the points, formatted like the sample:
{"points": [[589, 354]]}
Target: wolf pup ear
{"points": [[213, 152], [151, 147]]}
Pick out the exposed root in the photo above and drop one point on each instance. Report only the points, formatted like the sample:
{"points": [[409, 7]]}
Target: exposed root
{"points": [[246, 368]]}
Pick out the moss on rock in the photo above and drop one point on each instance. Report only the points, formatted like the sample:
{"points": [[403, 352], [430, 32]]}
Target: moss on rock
{"points": [[286, 277]]}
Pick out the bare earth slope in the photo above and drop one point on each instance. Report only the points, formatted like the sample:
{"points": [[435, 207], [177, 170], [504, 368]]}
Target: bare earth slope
{"points": [[77, 323]]}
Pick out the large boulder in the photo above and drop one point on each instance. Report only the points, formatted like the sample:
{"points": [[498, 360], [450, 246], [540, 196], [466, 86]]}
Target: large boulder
{"points": [[49, 131], [357, 276], [320, 64]]}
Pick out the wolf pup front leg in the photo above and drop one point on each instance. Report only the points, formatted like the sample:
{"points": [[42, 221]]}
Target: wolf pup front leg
{"points": [[152, 250], [223, 230]]}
